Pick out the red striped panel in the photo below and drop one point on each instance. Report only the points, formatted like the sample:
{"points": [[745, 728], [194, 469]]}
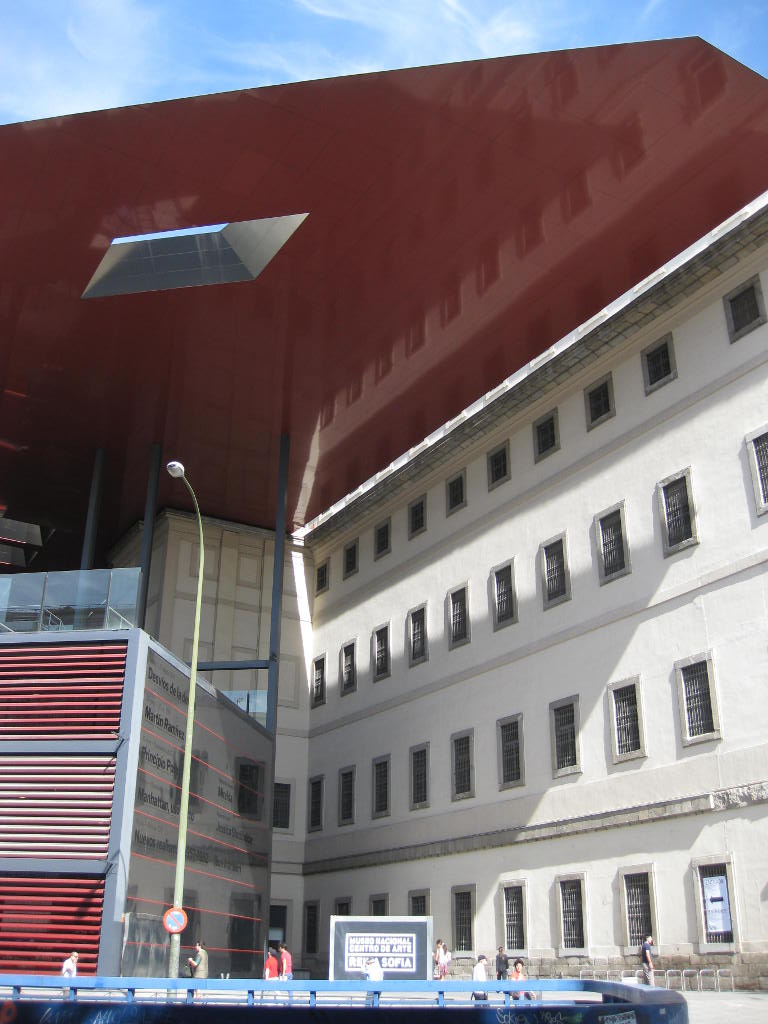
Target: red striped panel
{"points": [[61, 691], [43, 919], [55, 806]]}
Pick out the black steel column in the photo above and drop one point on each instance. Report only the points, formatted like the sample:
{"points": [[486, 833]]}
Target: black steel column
{"points": [[94, 505], [277, 585], [148, 533]]}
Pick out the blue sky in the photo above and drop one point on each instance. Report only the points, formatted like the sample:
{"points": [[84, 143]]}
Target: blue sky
{"points": [[65, 56]]}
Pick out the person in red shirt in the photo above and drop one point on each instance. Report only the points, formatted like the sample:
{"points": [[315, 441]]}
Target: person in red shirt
{"points": [[271, 970], [286, 963]]}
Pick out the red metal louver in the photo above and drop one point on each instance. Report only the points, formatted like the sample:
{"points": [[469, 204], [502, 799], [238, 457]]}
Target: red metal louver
{"points": [[61, 691]]}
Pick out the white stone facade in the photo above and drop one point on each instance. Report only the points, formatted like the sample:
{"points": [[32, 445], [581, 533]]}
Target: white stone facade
{"points": [[649, 666]]}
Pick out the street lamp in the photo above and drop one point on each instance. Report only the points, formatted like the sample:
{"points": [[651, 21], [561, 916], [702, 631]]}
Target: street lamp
{"points": [[176, 470]]}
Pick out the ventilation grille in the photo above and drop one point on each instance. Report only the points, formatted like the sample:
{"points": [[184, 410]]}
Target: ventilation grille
{"points": [[61, 691], [55, 806], [43, 919]]}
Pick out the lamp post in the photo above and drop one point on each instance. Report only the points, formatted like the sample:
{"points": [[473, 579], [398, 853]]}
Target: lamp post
{"points": [[176, 470]]}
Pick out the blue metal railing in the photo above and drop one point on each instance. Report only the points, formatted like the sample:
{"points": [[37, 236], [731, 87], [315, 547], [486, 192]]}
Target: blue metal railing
{"points": [[574, 999]]}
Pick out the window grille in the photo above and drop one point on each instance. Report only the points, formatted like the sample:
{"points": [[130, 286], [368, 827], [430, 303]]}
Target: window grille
{"points": [[658, 364], [698, 699], [311, 922], [599, 402], [378, 906], [497, 465], [760, 446], [745, 309], [627, 721], [417, 516], [505, 605], [462, 765], [321, 578], [343, 908], [510, 752], [455, 492], [554, 557], [382, 651], [613, 543], [546, 435], [565, 736], [716, 898], [318, 682], [678, 512], [513, 916], [462, 903], [459, 615], [418, 635], [250, 788], [380, 787], [419, 790], [350, 558], [315, 803], [347, 796], [348, 670], [419, 904], [638, 907], [573, 917], [281, 805], [381, 542]]}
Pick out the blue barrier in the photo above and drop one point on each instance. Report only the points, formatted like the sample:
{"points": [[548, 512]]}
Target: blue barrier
{"points": [[43, 999]]}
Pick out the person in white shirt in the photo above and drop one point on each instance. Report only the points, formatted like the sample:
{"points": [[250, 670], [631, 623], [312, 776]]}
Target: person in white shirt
{"points": [[69, 967], [478, 974]]}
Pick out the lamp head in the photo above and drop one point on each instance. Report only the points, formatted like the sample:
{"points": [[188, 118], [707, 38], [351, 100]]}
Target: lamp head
{"points": [[176, 469]]}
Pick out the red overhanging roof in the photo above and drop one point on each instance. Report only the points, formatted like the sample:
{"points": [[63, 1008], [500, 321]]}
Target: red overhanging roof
{"points": [[461, 219]]}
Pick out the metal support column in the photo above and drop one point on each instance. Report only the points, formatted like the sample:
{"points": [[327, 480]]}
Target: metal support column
{"points": [[148, 533], [277, 585], [94, 505]]}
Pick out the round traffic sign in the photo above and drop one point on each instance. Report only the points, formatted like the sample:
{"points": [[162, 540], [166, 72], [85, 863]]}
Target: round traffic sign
{"points": [[174, 920]]}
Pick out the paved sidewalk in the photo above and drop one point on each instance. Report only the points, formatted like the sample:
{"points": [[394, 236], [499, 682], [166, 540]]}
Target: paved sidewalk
{"points": [[727, 1007]]}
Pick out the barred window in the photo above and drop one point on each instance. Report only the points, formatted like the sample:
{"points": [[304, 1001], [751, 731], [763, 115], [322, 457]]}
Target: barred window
{"points": [[418, 638], [381, 787], [504, 610], [316, 803], [348, 668], [627, 719], [417, 517], [381, 663], [318, 682], [321, 577], [555, 572], [459, 619], [418, 904], [572, 912], [563, 719], [498, 466], [698, 699], [454, 493], [757, 452], [342, 908], [311, 928], [250, 788], [514, 917], [509, 738], [281, 805], [419, 776], [612, 544], [462, 917], [350, 558], [678, 512], [381, 541], [346, 796], [462, 765], [715, 896], [598, 399], [659, 364], [379, 906], [638, 896], [546, 436], [744, 309]]}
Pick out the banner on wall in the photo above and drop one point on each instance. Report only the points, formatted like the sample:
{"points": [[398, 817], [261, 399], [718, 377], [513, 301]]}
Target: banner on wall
{"points": [[401, 945]]}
